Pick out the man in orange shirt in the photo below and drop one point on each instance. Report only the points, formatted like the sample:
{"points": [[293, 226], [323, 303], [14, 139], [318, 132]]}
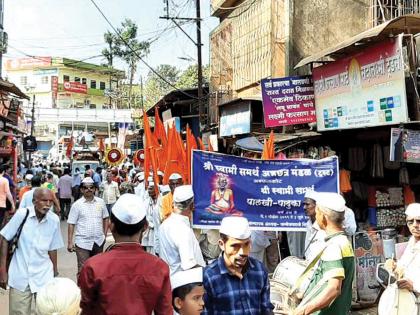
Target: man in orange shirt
{"points": [[27, 187], [167, 205]]}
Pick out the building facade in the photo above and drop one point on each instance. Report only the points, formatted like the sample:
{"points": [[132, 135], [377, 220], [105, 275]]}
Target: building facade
{"points": [[67, 95]]}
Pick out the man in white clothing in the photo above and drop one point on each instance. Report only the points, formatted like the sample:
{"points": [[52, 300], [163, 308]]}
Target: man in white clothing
{"points": [[179, 247], [110, 192], [34, 263]]}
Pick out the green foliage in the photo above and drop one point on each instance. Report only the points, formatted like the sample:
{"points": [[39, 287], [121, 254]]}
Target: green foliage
{"points": [[188, 78]]}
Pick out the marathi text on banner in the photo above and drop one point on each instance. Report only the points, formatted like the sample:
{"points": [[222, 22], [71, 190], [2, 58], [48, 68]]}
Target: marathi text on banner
{"points": [[288, 101], [268, 193]]}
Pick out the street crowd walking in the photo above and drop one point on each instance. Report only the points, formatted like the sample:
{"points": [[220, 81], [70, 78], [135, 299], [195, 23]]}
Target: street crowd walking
{"points": [[158, 263]]}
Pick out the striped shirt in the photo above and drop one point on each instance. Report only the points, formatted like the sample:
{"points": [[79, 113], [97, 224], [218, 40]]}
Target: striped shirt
{"points": [[227, 294], [337, 261]]}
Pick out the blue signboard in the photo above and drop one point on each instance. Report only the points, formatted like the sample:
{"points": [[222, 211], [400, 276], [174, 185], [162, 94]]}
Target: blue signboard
{"points": [[268, 193]]}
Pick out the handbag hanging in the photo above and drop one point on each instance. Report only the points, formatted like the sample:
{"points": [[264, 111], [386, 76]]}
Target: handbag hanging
{"points": [[13, 243]]}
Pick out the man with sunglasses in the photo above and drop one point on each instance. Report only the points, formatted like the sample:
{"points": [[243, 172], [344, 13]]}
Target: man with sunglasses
{"points": [[89, 217], [409, 264]]}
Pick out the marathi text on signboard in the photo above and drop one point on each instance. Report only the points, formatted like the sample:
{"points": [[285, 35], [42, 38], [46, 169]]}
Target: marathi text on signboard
{"points": [[268, 193], [362, 90], [235, 119], [288, 101], [27, 63], [405, 145]]}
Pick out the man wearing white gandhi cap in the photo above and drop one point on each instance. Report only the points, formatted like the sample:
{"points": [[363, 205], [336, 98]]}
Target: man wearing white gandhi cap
{"points": [[330, 289], [408, 267], [140, 282], [246, 277], [179, 247], [167, 205], [188, 291]]}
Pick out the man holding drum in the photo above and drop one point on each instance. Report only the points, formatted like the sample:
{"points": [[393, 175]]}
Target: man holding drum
{"points": [[330, 289]]}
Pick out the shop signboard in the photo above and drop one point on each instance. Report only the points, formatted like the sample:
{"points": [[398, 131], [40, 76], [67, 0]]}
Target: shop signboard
{"points": [[53, 71], [368, 252], [288, 101], [64, 100], [221, 185], [54, 89], [405, 145], [27, 63], [235, 119], [362, 90], [75, 87]]}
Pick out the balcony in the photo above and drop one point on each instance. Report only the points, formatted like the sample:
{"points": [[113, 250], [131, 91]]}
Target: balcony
{"points": [[80, 115], [217, 6]]}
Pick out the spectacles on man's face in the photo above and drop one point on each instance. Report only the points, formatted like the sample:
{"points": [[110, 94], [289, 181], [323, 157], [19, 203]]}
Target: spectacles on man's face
{"points": [[89, 187], [413, 221]]}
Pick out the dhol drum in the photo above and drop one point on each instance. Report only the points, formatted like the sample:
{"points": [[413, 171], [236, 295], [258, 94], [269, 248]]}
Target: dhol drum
{"points": [[396, 301], [283, 281]]}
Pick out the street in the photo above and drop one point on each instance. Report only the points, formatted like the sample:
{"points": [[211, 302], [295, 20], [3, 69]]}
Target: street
{"points": [[67, 268]]}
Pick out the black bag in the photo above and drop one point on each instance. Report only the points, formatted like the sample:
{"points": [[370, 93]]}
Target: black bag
{"points": [[13, 243]]}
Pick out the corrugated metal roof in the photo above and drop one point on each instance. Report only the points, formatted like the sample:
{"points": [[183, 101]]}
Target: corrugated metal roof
{"points": [[409, 24]]}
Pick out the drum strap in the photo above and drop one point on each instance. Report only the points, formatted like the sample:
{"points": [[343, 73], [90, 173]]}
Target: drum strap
{"points": [[308, 269]]}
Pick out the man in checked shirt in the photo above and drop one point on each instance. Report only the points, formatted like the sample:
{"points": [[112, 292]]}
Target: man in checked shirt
{"points": [[236, 284]]}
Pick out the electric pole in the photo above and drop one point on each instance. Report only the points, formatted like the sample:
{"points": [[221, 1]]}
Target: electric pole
{"points": [[3, 36], [32, 125], [199, 68], [198, 44]]}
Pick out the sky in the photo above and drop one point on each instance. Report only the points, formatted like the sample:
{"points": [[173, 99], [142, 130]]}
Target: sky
{"points": [[75, 28]]}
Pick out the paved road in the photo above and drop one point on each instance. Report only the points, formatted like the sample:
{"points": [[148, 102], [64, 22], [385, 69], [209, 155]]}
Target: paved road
{"points": [[67, 268]]}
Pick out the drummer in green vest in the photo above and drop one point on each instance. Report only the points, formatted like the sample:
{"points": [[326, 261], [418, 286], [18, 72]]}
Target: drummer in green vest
{"points": [[330, 289]]}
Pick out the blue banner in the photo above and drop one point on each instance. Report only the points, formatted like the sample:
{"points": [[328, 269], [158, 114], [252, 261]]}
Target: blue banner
{"points": [[268, 193]]}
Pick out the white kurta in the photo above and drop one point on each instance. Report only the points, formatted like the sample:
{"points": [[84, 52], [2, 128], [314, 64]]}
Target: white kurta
{"points": [[314, 240], [150, 238], [410, 264]]}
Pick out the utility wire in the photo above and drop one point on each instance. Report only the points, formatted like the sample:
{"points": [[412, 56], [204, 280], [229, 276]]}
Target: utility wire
{"points": [[140, 57]]}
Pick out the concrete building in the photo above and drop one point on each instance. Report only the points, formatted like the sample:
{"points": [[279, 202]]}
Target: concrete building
{"points": [[67, 95]]}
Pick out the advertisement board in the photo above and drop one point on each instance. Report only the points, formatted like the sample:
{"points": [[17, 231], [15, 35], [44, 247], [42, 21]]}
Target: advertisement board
{"points": [[363, 90], [405, 145], [75, 87], [268, 193], [235, 119], [288, 101], [27, 63], [54, 89]]}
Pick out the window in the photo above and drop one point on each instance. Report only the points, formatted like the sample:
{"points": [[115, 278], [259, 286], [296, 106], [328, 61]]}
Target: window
{"points": [[24, 80], [76, 79], [44, 80], [102, 85], [93, 84], [92, 106], [84, 81], [66, 78]]}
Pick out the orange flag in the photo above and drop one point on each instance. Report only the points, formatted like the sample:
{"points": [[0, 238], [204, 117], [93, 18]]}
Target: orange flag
{"points": [[191, 145], [149, 154], [174, 162], [210, 146], [159, 131], [70, 147], [271, 152], [201, 144], [264, 155]]}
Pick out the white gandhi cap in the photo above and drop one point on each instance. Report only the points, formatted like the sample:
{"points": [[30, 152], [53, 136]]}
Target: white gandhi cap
{"points": [[183, 193], [88, 180], [184, 277], [129, 209], [29, 176], [413, 210], [311, 194], [175, 176], [332, 201], [236, 227]]}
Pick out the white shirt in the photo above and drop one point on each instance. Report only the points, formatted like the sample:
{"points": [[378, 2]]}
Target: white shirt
{"points": [[150, 237], [314, 240], [31, 264], [111, 192], [179, 247], [349, 224], [410, 263], [88, 217], [27, 197], [76, 180]]}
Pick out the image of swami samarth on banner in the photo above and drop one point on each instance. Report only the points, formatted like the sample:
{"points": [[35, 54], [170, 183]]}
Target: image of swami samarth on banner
{"points": [[222, 201]]}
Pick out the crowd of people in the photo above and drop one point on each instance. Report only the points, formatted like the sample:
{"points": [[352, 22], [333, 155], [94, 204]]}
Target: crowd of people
{"points": [[157, 263]]}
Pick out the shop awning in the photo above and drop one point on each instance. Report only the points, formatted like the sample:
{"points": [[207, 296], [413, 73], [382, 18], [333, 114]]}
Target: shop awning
{"points": [[11, 88], [250, 144], [241, 99], [409, 24]]}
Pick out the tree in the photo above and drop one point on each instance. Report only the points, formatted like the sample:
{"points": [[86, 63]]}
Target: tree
{"points": [[128, 48], [188, 78], [155, 87]]}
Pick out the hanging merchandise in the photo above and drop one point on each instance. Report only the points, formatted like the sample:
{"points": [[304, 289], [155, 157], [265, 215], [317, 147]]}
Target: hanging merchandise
{"points": [[388, 164], [345, 185], [404, 178], [114, 156], [377, 167], [357, 158]]}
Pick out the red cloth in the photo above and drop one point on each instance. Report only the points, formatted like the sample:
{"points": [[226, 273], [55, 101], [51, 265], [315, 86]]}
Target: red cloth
{"points": [[126, 280]]}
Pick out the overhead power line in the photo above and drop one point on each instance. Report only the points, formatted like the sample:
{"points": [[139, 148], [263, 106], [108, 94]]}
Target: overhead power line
{"points": [[140, 57]]}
